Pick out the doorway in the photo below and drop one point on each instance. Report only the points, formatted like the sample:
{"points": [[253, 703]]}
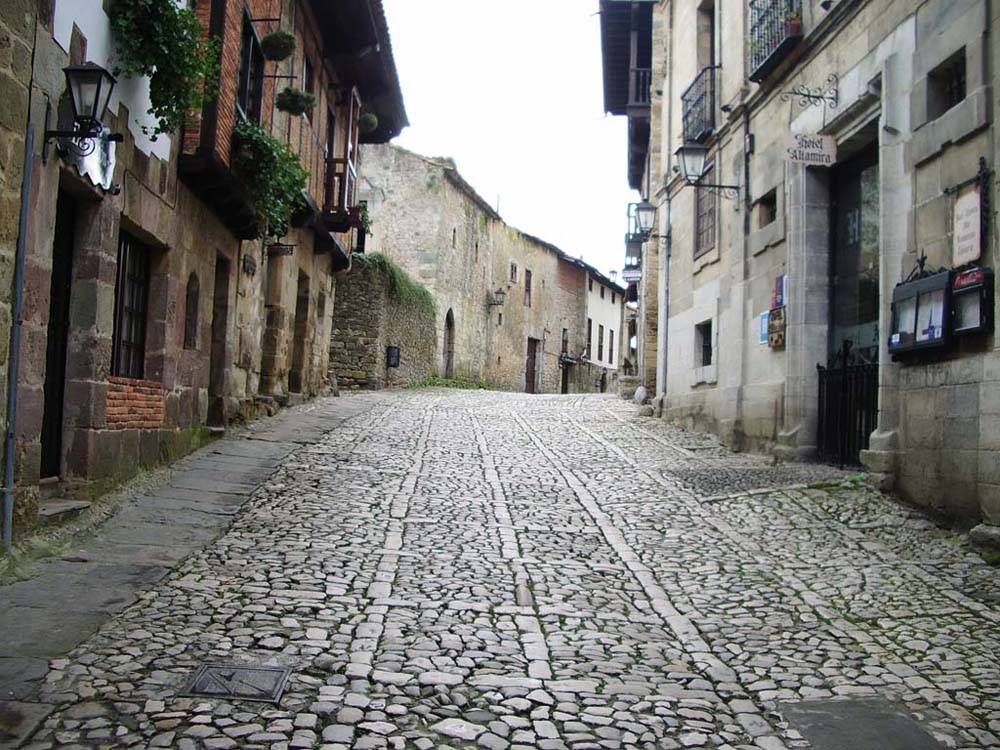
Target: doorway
{"points": [[58, 336], [296, 375], [531, 366], [449, 345], [217, 360], [564, 385]]}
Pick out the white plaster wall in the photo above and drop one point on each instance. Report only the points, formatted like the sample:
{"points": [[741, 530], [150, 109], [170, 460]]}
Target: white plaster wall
{"points": [[94, 24], [605, 313]]}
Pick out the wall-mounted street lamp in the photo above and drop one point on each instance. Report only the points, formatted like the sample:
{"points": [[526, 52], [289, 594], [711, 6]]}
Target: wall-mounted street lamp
{"points": [[642, 218], [691, 158], [90, 88], [498, 297]]}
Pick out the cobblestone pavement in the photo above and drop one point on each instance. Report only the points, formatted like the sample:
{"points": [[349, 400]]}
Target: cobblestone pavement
{"points": [[487, 570]]}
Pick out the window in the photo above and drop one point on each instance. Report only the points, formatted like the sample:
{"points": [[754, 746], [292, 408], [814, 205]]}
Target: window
{"points": [[946, 85], [308, 81], [191, 313], [251, 81], [527, 288], [454, 238], [513, 273], [703, 344], [499, 319], [320, 308], [602, 292], [705, 215], [767, 209], [590, 285], [590, 335], [611, 347], [613, 298], [475, 257], [600, 343], [128, 345], [565, 341]]}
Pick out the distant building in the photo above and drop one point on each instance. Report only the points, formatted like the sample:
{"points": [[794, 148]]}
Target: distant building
{"points": [[432, 223]]}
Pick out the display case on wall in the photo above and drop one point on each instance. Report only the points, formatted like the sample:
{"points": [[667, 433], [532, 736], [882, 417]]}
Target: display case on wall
{"points": [[921, 313], [972, 301]]}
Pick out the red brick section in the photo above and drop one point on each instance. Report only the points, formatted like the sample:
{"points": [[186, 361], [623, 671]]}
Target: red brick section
{"points": [[134, 404]]}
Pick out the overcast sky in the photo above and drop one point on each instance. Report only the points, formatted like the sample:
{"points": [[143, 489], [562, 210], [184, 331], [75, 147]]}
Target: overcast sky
{"points": [[512, 91]]}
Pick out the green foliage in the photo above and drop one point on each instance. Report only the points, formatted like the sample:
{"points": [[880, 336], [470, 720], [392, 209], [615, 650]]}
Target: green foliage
{"points": [[278, 45], [366, 219], [156, 38], [295, 101], [402, 287], [273, 175], [435, 382], [368, 122]]}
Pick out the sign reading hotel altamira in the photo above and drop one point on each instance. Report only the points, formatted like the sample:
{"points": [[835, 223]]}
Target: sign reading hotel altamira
{"points": [[815, 150]]}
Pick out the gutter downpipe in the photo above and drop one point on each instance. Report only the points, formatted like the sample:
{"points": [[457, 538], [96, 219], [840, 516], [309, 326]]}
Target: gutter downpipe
{"points": [[15, 342]]}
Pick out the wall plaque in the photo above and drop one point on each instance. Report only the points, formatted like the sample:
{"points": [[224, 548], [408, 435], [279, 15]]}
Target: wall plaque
{"points": [[776, 328], [814, 150], [967, 239]]}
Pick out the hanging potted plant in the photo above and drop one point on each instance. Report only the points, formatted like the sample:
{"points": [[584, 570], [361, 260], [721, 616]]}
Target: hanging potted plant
{"points": [[278, 45], [368, 122], [295, 101]]}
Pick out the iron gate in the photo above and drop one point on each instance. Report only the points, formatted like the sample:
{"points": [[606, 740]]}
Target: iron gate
{"points": [[848, 407]]}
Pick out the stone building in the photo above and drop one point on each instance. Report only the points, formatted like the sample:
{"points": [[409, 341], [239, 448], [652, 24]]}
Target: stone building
{"points": [[432, 223], [851, 145], [153, 307]]}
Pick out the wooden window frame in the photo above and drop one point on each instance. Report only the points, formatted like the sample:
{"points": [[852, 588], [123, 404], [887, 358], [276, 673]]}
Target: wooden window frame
{"points": [[705, 219], [128, 344], [250, 77], [600, 342]]}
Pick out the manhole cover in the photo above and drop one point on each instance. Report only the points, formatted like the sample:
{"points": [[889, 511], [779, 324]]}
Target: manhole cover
{"points": [[858, 725], [241, 683]]}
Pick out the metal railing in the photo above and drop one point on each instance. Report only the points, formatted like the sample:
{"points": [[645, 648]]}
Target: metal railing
{"points": [[633, 252], [698, 103], [639, 82], [775, 28]]}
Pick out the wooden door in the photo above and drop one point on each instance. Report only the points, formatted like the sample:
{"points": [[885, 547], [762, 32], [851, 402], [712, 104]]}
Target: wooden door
{"points": [[531, 366]]}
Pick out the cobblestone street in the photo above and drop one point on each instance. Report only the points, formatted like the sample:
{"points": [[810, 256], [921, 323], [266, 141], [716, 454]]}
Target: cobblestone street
{"points": [[472, 569]]}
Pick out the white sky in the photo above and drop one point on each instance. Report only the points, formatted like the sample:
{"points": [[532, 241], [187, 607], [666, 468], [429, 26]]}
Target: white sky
{"points": [[512, 91]]}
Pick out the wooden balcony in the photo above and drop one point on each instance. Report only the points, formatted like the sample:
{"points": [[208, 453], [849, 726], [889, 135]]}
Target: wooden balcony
{"points": [[340, 210], [639, 82], [775, 30]]}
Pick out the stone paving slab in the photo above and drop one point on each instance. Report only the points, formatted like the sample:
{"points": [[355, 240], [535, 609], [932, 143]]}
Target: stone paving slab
{"points": [[486, 570]]}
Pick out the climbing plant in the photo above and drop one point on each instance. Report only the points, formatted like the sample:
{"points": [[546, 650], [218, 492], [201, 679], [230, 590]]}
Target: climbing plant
{"points": [[273, 176], [403, 287], [159, 39]]}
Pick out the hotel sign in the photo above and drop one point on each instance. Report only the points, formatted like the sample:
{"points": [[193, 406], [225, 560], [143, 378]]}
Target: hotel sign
{"points": [[814, 150]]}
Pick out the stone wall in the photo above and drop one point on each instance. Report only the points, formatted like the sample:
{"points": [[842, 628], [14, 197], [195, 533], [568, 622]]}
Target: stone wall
{"points": [[371, 313]]}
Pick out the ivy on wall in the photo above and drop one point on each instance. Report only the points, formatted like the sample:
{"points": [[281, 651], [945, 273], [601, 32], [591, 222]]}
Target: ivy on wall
{"points": [[403, 287], [272, 174], [159, 39]]}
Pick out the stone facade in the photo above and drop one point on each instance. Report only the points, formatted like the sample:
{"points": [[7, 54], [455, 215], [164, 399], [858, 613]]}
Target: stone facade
{"points": [[229, 321], [432, 223], [906, 87], [369, 316]]}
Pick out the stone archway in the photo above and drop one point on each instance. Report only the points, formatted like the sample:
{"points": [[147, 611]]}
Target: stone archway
{"points": [[448, 349]]}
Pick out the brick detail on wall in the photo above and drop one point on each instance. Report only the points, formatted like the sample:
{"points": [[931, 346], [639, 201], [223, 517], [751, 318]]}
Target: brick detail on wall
{"points": [[134, 404]]}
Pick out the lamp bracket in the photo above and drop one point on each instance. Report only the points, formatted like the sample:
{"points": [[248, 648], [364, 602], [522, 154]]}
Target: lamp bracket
{"points": [[729, 192], [815, 96]]}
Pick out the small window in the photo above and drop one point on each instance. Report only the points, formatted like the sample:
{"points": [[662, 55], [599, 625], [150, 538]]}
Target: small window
{"points": [[308, 75], [946, 85], [191, 313], [321, 307], [590, 285], [565, 341], [600, 343], [703, 344], [705, 216], [250, 94], [475, 256], [767, 209], [499, 319], [590, 335], [611, 346], [527, 288], [613, 298], [454, 238], [513, 273], [602, 292], [128, 345]]}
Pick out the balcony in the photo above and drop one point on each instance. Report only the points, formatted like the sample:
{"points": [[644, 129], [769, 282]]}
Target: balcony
{"points": [[775, 29], [633, 252], [340, 212], [639, 82], [698, 102]]}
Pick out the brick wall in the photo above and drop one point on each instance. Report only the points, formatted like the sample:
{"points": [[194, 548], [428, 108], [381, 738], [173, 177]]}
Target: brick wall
{"points": [[134, 404]]}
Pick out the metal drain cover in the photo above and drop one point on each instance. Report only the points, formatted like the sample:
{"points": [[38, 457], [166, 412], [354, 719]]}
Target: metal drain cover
{"points": [[265, 684], [858, 725]]}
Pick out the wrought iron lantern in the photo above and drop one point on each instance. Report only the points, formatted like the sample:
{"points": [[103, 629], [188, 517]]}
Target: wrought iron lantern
{"points": [[645, 217], [90, 88], [691, 158], [498, 297]]}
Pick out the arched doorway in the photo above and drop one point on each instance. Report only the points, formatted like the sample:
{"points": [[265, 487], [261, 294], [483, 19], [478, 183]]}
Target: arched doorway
{"points": [[449, 345]]}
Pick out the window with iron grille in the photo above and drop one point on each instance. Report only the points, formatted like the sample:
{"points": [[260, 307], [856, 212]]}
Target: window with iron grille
{"points": [[703, 344], [600, 343], [527, 288], [128, 345], [250, 94], [946, 85], [705, 215]]}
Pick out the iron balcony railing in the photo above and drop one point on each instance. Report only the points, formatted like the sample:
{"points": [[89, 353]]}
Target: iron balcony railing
{"points": [[775, 29], [639, 82], [633, 252], [698, 103]]}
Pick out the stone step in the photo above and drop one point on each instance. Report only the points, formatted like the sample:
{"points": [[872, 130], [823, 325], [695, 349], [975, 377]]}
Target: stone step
{"points": [[59, 510]]}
